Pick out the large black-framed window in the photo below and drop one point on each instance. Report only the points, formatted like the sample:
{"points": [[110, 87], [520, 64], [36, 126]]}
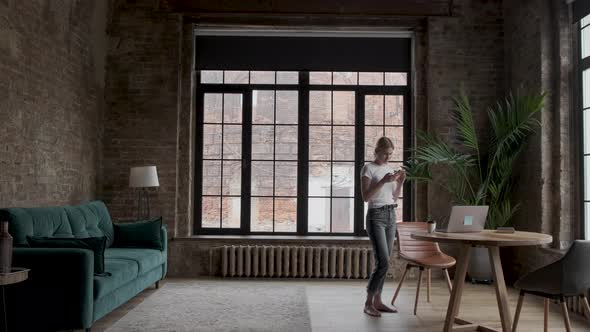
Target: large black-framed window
{"points": [[584, 79], [280, 152]]}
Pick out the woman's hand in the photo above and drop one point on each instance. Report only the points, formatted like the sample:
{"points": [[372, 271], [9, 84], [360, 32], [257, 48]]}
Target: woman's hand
{"points": [[389, 177], [400, 176]]}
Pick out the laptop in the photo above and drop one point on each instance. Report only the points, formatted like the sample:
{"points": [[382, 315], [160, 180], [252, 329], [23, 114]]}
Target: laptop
{"points": [[466, 219]]}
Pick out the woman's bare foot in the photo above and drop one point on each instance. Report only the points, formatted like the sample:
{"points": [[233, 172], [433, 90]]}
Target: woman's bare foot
{"points": [[382, 307], [371, 311]]}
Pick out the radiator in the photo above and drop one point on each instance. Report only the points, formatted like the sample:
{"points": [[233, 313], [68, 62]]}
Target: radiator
{"points": [[295, 262]]}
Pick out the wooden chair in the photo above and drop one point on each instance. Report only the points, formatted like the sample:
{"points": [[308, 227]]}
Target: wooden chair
{"points": [[421, 254], [569, 276]]}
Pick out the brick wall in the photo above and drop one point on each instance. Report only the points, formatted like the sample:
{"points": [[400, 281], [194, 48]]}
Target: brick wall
{"points": [[524, 41], [538, 53], [51, 101], [141, 96], [466, 49]]}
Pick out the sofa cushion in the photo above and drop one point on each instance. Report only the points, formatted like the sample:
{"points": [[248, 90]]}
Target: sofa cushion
{"points": [[91, 219], [146, 259], [140, 234], [87, 220], [95, 244], [120, 272]]}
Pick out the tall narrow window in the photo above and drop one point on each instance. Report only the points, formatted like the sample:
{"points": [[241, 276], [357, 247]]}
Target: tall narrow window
{"points": [[384, 116], [331, 161], [221, 161], [585, 109], [274, 161]]}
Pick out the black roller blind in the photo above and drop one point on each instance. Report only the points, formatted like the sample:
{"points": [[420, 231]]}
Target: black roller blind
{"points": [[303, 53], [581, 8]]}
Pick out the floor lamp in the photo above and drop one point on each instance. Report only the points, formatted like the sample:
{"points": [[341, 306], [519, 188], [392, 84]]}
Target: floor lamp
{"points": [[143, 177]]}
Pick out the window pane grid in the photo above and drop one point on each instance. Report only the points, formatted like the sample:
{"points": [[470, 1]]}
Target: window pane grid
{"points": [[259, 78], [586, 218], [358, 78], [344, 78], [586, 175], [384, 117], [254, 77], [338, 125], [339, 195], [222, 136], [220, 192], [329, 161], [381, 126], [267, 116], [274, 157], [331, 184], [584, 46], [331, 150], [370, 78]]}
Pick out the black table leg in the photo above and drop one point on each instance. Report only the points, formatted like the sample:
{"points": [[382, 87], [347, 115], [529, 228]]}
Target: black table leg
{"points": [[4, 310]]}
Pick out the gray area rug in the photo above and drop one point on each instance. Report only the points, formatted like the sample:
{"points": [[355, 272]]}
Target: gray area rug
{"points": [[220, 306]]}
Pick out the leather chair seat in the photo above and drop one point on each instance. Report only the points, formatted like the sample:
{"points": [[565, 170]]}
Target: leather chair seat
{"points": [[430, 259]]}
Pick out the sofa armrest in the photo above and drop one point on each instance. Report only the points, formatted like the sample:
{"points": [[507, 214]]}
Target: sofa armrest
{"points": [[164, 238], [58, 293]]}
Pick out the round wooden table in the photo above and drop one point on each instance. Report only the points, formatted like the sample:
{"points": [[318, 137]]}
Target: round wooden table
{"points": [[492, 240]]}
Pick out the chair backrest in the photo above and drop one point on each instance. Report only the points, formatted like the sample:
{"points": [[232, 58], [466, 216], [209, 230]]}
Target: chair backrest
{"points": [[576, 268], [405, 242]]}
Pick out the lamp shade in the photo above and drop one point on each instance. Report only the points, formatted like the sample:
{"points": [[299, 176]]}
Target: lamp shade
{"points": [[144, 176]]}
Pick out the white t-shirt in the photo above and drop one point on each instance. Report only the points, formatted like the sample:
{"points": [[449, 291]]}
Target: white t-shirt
{"points": [[385, 195]]}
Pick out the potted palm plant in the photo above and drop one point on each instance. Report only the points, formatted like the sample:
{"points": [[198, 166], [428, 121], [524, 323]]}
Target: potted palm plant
{"points": [[477, 172]]}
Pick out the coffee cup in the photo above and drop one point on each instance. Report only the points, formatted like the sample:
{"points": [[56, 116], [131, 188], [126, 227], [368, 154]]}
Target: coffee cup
{"points": [[431, 226]]}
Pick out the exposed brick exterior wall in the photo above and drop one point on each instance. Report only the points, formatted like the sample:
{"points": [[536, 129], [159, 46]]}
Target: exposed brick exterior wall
{"points": [[142, 101], [538, 53], [51, 101], [467, 50]]}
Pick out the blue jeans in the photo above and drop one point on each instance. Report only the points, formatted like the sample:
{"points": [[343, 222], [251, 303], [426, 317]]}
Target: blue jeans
{"points": [[381, 230]]}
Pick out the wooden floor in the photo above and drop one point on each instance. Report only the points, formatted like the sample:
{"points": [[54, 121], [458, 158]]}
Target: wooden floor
{"points": [[337, 306]]}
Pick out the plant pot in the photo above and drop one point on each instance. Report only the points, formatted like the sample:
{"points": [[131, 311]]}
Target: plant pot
{"points": [[480, 268]]}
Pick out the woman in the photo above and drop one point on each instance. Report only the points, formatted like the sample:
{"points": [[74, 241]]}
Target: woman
{"points": [[381, 187]]}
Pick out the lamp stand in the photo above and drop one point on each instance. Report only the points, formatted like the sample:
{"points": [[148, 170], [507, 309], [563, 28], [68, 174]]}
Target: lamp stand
{"points": [[143, 204]]}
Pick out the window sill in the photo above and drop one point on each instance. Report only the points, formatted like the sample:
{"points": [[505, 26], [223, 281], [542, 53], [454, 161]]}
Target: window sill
{"points": [[274, 238]]}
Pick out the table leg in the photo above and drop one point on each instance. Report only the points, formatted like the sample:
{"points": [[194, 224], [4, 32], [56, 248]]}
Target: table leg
{"points": [[500, 285], [428, 277], [5, 325], [458, 282]]}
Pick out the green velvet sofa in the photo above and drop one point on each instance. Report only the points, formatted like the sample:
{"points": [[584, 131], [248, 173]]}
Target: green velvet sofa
{"points": [[63, 292]]}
